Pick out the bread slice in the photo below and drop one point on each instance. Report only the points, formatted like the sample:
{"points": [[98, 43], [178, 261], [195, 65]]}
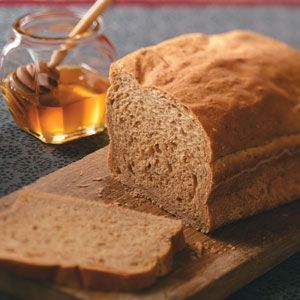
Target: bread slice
{"points": [[86, 244], [208, 126]]}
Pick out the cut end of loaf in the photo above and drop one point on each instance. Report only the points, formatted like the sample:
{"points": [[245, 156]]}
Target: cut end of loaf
{"points": [[79, 243], [158, 147]]}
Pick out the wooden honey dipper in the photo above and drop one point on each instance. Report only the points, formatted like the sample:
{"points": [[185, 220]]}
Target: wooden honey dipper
{"points": [[35, 81]]}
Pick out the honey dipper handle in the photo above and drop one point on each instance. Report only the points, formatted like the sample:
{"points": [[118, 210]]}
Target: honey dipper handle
{"points": [[85, 22]]}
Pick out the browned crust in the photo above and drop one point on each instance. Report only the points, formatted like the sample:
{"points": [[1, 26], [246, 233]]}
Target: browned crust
{"points": [[86, 277], [231, 168], [241, 97], [270, 185]]}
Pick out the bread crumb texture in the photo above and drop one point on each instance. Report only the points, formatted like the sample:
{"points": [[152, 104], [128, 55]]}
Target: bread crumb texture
{"points": [[86, 244]]}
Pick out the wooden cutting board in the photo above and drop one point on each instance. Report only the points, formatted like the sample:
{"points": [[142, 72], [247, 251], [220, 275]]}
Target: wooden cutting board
{"points": [[210, 267]]}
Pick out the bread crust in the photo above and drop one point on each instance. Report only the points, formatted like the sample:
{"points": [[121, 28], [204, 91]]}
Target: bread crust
{"points": [[242, 89], [273, 183]]}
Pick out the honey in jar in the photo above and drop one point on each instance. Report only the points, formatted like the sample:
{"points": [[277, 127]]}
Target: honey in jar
{"points": [[57, 103], [76, 107]]}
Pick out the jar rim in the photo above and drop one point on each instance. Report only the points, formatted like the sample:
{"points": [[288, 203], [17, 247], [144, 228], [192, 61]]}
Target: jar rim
{"points": [[19, 23]]}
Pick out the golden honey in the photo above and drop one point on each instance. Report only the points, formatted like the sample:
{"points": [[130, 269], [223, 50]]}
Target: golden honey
{"points": [[79, 107]]}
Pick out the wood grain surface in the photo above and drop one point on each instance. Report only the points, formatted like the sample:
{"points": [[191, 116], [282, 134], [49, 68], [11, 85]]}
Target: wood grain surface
{"points": [[211, 266]]}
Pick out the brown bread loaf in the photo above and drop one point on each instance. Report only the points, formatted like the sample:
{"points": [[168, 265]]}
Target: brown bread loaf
{"points": [[208, 126], [86, 244]]}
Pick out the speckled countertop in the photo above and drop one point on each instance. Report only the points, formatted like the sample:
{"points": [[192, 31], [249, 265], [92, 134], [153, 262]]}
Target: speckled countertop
{"points": [[23, 159]]}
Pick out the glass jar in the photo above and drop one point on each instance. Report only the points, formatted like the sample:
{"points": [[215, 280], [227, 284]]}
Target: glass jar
{"points": [[74, 105]]}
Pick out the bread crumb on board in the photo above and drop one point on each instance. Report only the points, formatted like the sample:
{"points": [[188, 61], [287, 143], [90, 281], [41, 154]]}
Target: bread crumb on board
{"points": [[82, 185], [97, 179], [231, 247], [198, 248], [100, 192]]}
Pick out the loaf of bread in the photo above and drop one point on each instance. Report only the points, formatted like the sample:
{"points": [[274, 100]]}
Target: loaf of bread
{"points": [[208, 126], [86, 244]]}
